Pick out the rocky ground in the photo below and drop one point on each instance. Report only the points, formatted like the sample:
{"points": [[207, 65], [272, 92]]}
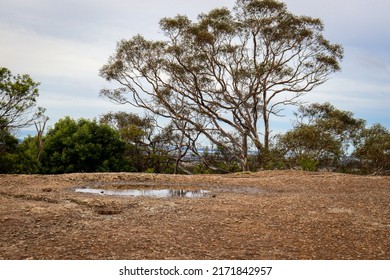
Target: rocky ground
{"points": [[265, 215]]}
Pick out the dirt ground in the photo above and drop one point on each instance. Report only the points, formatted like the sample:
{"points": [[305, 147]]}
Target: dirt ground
{"points": [[264, 215]]}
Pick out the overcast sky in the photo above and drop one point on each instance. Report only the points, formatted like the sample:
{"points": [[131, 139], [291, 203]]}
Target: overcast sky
{"points": [[63, 44]]}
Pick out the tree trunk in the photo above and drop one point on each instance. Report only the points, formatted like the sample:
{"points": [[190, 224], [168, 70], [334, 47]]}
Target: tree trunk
{"points": [[40, 127], [265, 151], [244, 160], [266, 121], [266, 134]]}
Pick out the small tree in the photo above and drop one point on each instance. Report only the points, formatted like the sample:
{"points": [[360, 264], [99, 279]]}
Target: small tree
{"points": [[373, 149], [226, 73], [341, 125], [309, 146], [18, 96], [321, 137]]}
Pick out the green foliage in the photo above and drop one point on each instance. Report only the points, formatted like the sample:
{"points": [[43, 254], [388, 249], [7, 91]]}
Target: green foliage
{"points": [[308, 164], [27, 156], [272, 159], [146, 146], [18, 157], [309, 145], [18, 96], [321, 137], [200, 168], [220, 160], [8, 148], [83, 146], [340, 124], [150, 170], [373, 149]]}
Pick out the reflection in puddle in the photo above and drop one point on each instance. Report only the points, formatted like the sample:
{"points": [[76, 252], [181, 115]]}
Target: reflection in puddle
{"points": [[154, 193]]}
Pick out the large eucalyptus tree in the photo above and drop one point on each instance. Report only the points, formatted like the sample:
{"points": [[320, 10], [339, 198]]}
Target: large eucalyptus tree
{"points": [[226, 73]]}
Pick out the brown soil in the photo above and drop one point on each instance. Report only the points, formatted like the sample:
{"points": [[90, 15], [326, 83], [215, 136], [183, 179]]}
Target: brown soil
{"points": [[265, 215]]}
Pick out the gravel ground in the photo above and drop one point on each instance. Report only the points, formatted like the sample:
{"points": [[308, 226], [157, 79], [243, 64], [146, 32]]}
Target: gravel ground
{"points": [[264, 215]]}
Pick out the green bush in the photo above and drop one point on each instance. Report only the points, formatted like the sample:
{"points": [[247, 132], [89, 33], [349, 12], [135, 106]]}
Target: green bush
{"points": [[308, 164], [83, 146]]}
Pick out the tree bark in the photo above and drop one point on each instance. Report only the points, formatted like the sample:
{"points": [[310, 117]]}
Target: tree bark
{"points": [[244, 160]]}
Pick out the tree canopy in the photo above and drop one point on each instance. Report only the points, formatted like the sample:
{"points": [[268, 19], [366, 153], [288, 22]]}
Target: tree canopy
{"points": [[82, 146], [321, 137], [227, 72], [18, 97], [373, 149], [18, 109]]}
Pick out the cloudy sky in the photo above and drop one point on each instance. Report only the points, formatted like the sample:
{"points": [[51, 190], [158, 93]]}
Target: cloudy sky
{"points": [[63, 44]]}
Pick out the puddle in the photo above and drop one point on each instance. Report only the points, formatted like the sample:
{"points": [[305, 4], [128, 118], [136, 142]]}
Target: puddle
{"points": [[160, 193]]}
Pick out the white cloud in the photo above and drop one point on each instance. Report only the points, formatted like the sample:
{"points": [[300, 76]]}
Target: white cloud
{"points": [[352, 23], [29, 52]]}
